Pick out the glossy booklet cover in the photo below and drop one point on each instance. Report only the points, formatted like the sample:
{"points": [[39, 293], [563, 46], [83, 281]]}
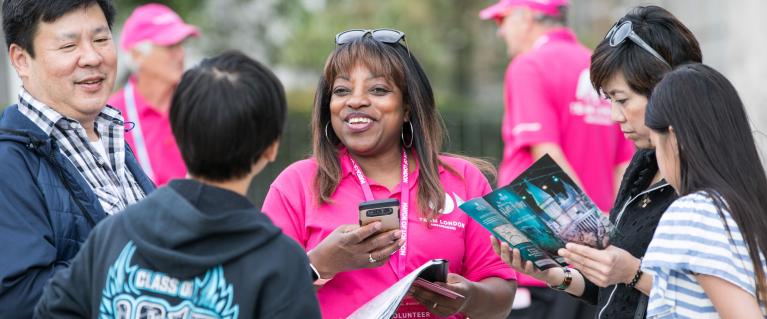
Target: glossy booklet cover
{"points": [[539, 212]]}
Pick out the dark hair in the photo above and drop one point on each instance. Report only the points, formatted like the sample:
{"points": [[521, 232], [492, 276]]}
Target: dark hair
{"points": [[717, 153], [401, 68], [21, 17], [225, 112], [663, 32]]}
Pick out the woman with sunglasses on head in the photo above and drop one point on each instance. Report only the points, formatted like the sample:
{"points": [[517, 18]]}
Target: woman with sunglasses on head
{"points": [[640, 48], [377, 135], [706, 258]]}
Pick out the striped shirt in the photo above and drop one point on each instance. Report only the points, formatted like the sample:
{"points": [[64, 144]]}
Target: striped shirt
{"points": [[114, 184], [691, 239]]}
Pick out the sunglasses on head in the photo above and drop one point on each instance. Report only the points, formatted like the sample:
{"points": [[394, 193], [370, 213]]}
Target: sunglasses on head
{"points": [[390, 36], [624, 30]]}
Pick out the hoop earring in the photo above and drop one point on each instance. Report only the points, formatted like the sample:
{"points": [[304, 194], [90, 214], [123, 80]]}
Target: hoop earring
{"points": [[412, 135], [326, 134]]}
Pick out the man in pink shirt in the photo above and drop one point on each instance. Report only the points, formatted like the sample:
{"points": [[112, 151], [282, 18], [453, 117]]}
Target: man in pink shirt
{"points": [[153, 35], [551, 108]]}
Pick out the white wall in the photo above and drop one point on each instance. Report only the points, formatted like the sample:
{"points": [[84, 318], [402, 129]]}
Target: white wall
{"points": [[730, 33], [5, 75], [9, 89]]}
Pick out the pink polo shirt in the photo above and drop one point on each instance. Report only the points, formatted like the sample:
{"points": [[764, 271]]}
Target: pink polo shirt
{"points": [[549, 99], [165, 158], [454, 236]]}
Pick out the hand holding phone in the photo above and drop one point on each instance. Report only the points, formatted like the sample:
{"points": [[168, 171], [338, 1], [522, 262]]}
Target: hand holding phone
{"points": [[384, 210]]}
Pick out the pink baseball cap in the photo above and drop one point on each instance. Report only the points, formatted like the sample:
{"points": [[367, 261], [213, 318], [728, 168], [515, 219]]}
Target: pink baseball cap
{"points": [[498, 10], [157, 24]]}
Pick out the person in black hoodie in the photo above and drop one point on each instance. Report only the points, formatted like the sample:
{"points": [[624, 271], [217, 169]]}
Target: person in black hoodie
{"points": [[198, 248]]}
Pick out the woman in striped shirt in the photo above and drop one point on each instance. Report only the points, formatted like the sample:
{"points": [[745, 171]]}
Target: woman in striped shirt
{"points": [[707, 255]]}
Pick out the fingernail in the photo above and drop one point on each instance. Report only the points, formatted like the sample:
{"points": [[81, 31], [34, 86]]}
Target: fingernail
{"points": [[397, 234], [377, 225], [569, 246], [562, 252]]}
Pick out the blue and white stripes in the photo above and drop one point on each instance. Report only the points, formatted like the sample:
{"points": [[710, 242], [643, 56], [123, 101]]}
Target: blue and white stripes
{"points": [[691, 239]]}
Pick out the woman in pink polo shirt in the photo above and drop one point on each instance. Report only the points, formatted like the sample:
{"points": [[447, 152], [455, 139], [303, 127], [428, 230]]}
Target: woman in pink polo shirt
{"points": [[377, 135]]}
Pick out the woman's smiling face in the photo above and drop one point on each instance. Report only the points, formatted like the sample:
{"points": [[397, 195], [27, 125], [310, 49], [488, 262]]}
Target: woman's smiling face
{"points": [[366, 111]]}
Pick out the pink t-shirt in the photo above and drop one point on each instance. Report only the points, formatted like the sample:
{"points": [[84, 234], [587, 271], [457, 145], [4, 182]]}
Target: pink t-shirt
{"points": [[454, 236], [549, 99], [164, 156]]}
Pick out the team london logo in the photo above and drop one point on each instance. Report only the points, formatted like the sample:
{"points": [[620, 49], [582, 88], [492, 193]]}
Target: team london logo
{"points": [[445, 221], [206, 297], [450, 204]]}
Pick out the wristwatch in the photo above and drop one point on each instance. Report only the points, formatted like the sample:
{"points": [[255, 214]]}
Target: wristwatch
{"points": [[566, 282], [318, 281]]}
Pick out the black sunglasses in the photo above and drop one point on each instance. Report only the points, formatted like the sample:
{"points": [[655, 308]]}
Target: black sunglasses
{"points": [[390, 36], [622, 31]]}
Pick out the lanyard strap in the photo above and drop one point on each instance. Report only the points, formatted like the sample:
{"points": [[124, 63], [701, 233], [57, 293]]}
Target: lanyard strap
{"points": [[138, 135], [403, 210]]}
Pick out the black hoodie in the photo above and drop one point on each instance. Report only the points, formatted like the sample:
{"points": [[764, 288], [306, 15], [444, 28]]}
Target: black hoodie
{"points": [[186, 251]]}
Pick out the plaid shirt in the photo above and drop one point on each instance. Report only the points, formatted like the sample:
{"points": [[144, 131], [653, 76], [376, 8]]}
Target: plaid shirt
{"points": [[113, 184]]}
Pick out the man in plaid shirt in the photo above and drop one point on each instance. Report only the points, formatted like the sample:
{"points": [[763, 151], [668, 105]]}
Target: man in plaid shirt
{"points": [[64, 164]]}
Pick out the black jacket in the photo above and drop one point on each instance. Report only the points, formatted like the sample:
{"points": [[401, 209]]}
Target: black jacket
{"points": [[639, 207], [187, 249]]}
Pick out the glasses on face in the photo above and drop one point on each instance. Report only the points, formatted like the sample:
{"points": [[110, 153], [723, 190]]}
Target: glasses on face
{"points": [[390, 36], [622, 31]]}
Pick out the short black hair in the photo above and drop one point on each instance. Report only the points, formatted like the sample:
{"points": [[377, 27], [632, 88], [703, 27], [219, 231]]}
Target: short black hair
{"points": [[21, 17], [224, 114], [663, 32]]}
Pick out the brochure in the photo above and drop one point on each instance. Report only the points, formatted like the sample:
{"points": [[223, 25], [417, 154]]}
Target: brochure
{"points": [[501, 228], [386, 303], [539, 212]]}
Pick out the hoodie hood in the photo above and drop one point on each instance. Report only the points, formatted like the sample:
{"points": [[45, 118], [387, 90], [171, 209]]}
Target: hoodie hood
{"points": [[188, 227]]}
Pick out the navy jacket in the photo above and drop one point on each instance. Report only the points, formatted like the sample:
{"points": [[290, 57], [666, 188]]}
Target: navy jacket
{"points": [[187, 250], [47, 210]]}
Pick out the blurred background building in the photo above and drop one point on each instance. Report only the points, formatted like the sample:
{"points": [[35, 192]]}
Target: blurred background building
{"points": [[461, 54]]}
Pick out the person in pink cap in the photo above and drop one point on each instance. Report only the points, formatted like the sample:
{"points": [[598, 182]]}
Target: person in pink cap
{"points": [[153, 35], [552, 108]]}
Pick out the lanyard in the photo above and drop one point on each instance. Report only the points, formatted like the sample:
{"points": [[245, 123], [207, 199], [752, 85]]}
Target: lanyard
{"points": [[138, 135], [403, 210]]}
